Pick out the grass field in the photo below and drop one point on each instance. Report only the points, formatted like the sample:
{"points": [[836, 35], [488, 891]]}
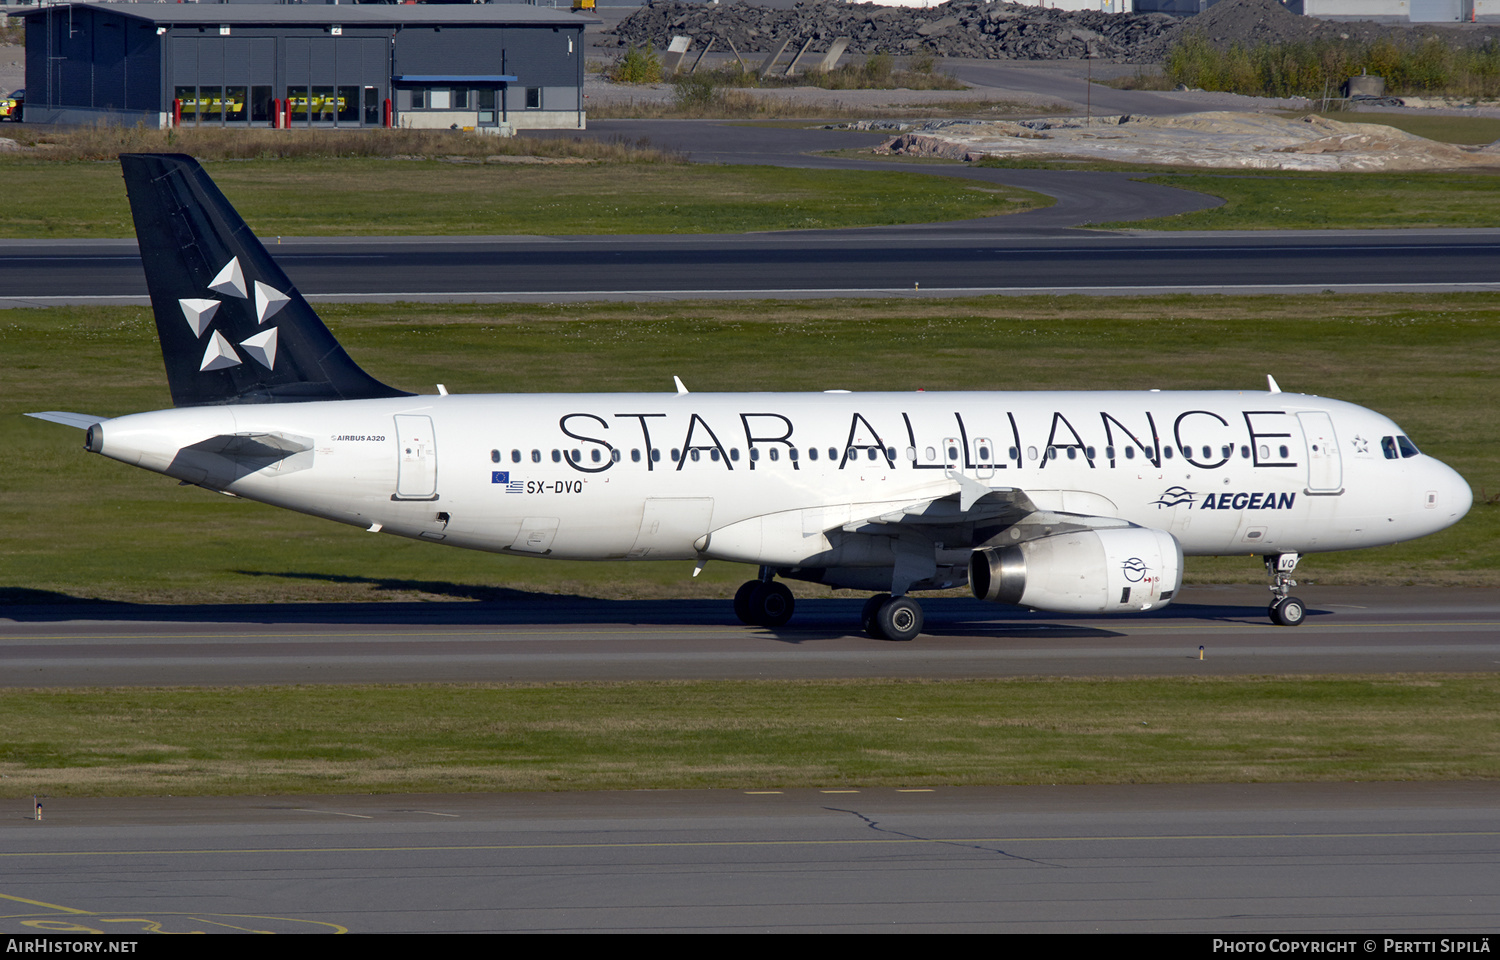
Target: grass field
{"points": [[364, 196], [1299, 201], [77, 527], [746, 734]]}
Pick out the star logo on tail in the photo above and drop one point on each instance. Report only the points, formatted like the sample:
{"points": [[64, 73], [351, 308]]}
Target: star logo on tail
{"points": [[219, 353]]}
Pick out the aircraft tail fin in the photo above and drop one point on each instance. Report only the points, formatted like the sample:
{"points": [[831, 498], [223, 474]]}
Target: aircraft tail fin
{"points": [[233, 329]]}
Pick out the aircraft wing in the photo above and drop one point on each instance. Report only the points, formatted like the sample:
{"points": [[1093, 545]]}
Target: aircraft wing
{"points": [[80, 420], [976, 503]]}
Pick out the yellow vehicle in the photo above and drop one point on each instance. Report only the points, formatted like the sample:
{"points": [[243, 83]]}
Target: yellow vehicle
{"points": [[583, 4], [10, 107]]}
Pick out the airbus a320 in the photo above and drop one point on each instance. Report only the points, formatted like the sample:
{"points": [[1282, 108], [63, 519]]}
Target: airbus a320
{"points": [[1071, 502]]}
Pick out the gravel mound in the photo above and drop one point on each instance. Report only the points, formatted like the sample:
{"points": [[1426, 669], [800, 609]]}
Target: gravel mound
{"points": [[1216, 139]]}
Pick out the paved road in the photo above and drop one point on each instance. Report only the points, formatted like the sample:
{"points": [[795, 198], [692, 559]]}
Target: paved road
{"points": [[1367, 859], [540, 637], [947, 259]]}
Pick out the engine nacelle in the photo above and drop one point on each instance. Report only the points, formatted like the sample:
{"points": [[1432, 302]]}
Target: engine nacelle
{"points": [[1091, 571]]}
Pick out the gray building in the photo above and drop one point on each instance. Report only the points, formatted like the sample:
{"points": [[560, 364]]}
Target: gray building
{"points": [[495, 68]]}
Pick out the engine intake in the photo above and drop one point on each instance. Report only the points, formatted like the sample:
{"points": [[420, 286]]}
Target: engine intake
{"points": [[1090, 571]]}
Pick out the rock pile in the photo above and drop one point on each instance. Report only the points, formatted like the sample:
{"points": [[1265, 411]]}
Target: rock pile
{"points": [[961, 28], [1007, 31]]}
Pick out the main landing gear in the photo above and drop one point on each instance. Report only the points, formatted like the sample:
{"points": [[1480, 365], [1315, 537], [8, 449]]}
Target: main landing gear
{"points": [[1285, 610], [891, 618], [766, 603]]}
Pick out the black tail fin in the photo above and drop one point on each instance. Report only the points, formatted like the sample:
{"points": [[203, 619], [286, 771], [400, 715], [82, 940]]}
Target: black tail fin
{"points": [[233, 328]]}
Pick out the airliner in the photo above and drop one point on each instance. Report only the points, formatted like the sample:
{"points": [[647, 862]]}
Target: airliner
{"points": [[1068, 502]]}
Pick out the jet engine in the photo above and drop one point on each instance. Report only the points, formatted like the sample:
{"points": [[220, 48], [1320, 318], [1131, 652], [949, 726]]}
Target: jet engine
{"points": [[1089, 571]]}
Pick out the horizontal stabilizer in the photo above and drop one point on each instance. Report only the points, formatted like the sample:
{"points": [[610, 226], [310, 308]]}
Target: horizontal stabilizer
{"points": [[255, 449], [80, 420]]}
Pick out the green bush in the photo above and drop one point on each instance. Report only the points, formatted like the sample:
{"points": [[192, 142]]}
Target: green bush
{"points": [[879, 67], [636, 66]]}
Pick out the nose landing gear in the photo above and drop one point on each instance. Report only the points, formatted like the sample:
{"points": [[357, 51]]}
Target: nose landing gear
{"points": [[1285, 610]]}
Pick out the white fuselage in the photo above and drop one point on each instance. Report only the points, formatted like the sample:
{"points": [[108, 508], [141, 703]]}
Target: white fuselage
{"points": [[764, 477]]}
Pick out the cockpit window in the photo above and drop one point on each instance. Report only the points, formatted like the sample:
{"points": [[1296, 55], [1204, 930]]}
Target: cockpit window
{"points": [[1408, 449], [1388, 447]]}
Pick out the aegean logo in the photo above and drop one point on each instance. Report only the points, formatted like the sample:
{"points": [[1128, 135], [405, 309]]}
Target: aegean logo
{"points": [[1174, 496], [1134, 569]]}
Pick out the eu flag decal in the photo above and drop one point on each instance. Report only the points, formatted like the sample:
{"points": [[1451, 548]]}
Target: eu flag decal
{"points": [[499, 476]]}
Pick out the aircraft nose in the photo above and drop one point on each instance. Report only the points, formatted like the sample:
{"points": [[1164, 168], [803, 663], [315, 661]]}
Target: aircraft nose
{"points": [[1448, 494]]}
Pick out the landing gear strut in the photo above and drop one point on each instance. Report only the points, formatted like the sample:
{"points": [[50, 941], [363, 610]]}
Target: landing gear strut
{"points": [[764, 602], [1285, 610]]}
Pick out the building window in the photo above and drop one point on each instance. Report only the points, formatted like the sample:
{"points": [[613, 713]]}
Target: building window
{"points": [[533, 98], [419, 98], [348, 105], [234, 105], [296, 104], [439, 98]]}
